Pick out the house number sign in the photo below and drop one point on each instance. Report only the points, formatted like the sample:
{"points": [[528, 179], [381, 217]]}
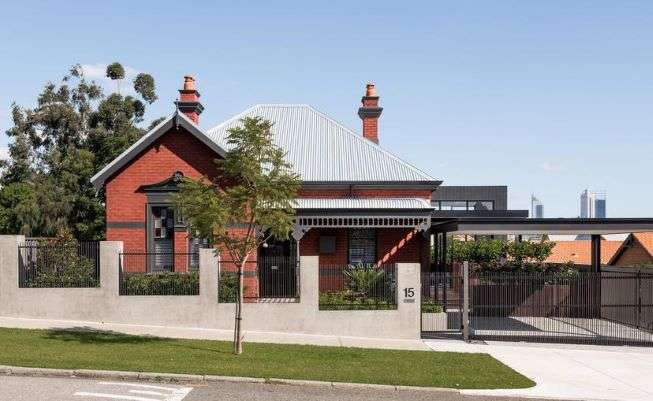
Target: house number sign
{"points": [[409, 295]]}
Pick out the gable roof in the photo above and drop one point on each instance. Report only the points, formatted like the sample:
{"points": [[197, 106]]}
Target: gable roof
{"points": [[323, 150], [580, 252], [645, 239], [320, 149], [177, 119]]}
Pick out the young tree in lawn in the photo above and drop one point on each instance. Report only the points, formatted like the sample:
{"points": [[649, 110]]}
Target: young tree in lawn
{"points": [[251, 201]]}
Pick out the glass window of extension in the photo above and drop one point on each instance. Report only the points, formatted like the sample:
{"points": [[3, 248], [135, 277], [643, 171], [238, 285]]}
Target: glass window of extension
{"points": [[453, 205], [362, 246], [481, 205]]}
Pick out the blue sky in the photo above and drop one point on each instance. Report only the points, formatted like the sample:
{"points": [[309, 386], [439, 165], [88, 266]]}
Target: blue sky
{"points": [[545, 97]]}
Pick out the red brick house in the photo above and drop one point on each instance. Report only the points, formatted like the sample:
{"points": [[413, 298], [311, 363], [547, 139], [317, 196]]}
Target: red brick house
{"points": [[358, 202], [635, 251]]}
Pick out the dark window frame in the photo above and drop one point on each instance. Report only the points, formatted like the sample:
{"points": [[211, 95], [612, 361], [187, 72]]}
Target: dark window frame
{"points": [[469, 204], [376, 243]]}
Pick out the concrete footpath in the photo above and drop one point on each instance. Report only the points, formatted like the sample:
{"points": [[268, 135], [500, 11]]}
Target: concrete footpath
{"points": [[214, 334], [581, 372]]}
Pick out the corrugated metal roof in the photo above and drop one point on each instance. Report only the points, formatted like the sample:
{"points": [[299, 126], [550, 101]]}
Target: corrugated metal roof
{"points": [[362, 203], [321, 149]]}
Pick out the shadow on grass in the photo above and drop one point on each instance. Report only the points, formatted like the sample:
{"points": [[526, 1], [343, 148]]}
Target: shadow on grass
{"points": [[86, 335]]}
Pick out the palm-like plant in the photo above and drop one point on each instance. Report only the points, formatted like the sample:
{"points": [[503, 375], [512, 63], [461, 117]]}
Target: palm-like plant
{"points": [[363, 279]]}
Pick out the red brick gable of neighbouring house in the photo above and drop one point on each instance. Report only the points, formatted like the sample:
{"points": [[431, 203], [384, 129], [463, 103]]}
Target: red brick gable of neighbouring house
{"points": [[636, 250]]}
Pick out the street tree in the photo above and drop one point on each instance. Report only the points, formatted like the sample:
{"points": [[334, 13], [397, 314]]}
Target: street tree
{"points": [[250, 202]]}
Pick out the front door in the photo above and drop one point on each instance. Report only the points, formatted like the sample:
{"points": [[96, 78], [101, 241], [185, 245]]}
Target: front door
{"points": [[162, 239], [277, 269]]}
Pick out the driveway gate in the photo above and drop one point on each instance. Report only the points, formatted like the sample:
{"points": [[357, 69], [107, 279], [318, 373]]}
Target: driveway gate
{"points": [[611, 307]]}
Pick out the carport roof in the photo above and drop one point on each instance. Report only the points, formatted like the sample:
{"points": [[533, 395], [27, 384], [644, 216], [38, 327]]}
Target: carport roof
{"points": [[505, 226]]}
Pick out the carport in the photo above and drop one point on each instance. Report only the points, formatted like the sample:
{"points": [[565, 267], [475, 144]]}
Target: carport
{"points": [[606, 306]]}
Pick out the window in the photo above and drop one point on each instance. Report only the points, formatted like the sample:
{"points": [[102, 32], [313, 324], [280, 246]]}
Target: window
{"points": [[481, 205], [162, 222], [194, 246], [362, 246], [327, 244], [465, 205], [453, 205]]}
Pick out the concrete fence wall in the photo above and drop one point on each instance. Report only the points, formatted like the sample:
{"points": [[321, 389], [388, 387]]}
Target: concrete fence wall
{"points": [[104, 304]]}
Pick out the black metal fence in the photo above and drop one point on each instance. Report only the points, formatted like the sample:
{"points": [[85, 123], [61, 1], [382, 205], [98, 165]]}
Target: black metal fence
{"points": [[268, 278], [51, 264], [358, 287], [441, 303], [159, 273], [574, 307]]}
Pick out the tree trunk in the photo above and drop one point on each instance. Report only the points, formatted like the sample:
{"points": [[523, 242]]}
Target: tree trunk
{"points": [[238, 343]]}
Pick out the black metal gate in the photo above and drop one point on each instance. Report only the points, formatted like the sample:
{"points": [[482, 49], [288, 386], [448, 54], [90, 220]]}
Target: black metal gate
{"points": [[277, 277], [611, 307], [441, 304]]}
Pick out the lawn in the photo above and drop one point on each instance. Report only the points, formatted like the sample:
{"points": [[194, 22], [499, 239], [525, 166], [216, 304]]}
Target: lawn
{"points": [[112, 351]]}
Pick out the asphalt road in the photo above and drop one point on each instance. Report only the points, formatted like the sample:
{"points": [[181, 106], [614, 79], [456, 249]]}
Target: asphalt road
{"points": [[17, 388]]}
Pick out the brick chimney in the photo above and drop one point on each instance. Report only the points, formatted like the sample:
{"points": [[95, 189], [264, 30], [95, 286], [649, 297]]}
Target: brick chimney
{"points": [[370, 112], [188, 102]]}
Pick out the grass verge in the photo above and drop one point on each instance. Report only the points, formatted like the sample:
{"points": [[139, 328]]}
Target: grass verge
{"points": [[81, 349]]}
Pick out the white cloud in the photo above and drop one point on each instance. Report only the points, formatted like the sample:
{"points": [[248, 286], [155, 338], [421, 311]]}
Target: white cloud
{"points": [[549, 166], [4, 152]]}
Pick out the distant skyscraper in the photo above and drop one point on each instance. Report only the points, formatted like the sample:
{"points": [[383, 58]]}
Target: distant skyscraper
{"points": [[592, 204], [599, 205], [537, 209], [586, 204]]}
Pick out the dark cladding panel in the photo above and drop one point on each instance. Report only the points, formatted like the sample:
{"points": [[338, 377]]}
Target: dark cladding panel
{"points": [[496, 193]]}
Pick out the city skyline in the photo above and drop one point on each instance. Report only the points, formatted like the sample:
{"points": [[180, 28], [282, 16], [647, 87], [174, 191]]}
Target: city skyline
{"points": [[593, 204]]}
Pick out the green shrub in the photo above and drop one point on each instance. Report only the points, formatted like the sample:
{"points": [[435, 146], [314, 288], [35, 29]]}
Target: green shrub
{"points": [[227, 287], [367, 287], [431, 306], [346, 300], [502, 256], [363, 279], [56, 264], [165, 283]]}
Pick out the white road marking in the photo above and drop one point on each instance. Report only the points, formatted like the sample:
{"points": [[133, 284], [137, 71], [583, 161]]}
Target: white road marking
{"points": [[115, 396], [172, 393], [138, 385], [146, 392]]}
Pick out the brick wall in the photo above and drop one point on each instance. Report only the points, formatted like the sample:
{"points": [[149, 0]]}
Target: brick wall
{"points": [[176, 150], [394, 245], [633, 256]]}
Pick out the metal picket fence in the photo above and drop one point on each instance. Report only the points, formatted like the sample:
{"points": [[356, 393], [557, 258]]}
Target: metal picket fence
{"points": [[159, 273], [357, 287], [48, 264]]}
